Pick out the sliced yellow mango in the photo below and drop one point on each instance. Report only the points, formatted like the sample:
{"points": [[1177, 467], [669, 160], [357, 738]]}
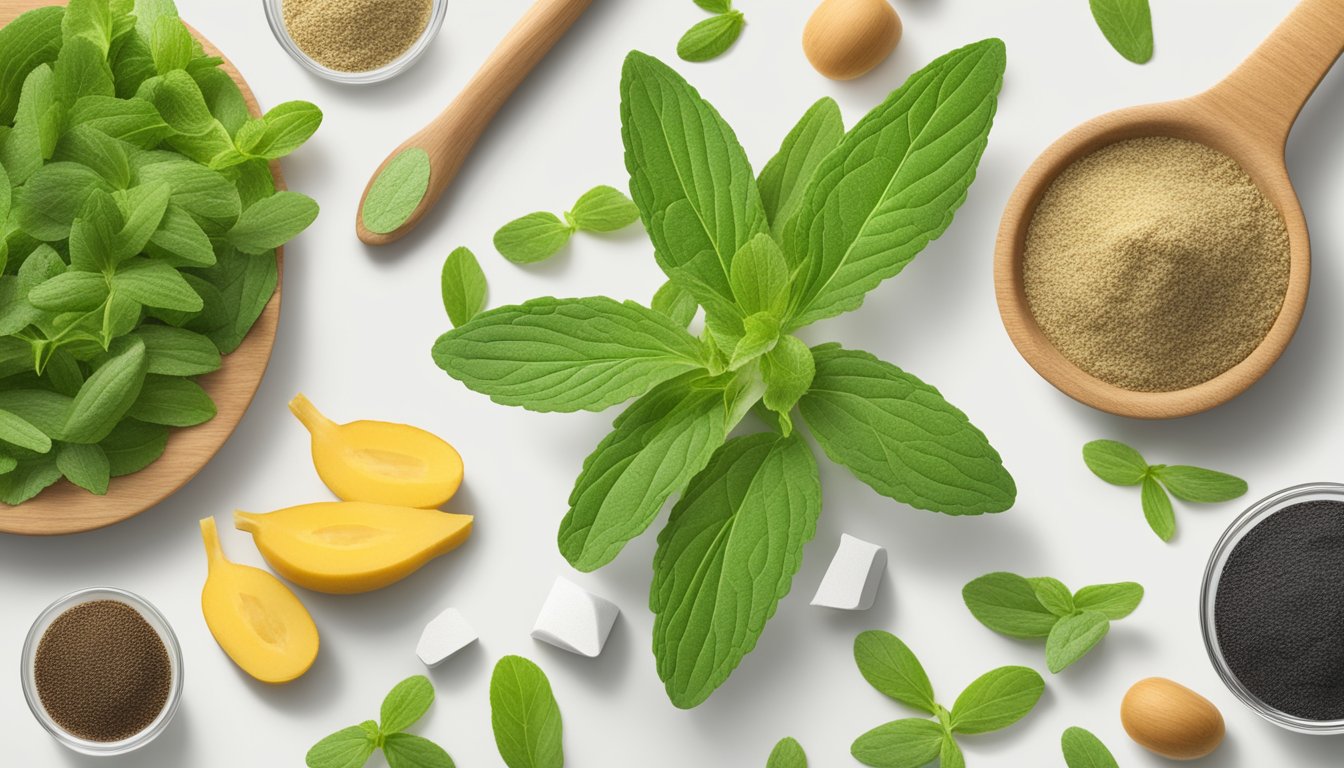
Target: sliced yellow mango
{"points": [[255, 618], [380, 462], [346, 547]]}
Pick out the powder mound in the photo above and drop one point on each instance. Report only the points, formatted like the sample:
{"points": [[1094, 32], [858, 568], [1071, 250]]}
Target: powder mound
{"points": [[356, 35], [1155, 264]]}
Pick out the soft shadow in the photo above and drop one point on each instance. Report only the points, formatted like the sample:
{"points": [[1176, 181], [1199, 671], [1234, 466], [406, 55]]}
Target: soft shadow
{"points": [[172, 747], [603, 675]]}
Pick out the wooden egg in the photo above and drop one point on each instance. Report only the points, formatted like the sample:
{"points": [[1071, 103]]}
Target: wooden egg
{"points": [[1170, 720], [845, 39]]}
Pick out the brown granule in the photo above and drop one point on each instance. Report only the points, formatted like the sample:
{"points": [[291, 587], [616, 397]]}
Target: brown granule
{"points": [[102, 671], [1155, 264], [356, 35]]}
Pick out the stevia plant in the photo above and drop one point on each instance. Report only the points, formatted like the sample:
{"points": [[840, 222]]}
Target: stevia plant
{"points": [[830, 217], [138, 227], [403, 707]]}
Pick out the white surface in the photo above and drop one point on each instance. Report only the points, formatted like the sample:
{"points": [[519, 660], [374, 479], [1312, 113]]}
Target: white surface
{"points": [[356, 332], [853, 577], [575, 620], [447, 634]]}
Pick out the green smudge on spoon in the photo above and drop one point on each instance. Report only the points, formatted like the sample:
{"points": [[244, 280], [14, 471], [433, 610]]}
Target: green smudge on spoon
{"points": [[397, 191]]}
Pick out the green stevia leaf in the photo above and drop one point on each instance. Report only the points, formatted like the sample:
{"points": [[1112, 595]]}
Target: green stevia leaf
{"points": [[107, 395], [26, 43], [1083, 750], [143, 210], [37, 126], [526, 720], [182, 105], [29, 478], [282, 130], [691, 180], [148, 13], [1115, 462], [1007, 604], [1200, 485], [179, 241], [900, 744], [405, 704], [254, 181], [133, 445], [177, 352], [788, 753], [463, 286], [44, 409], [397, 191], [172, 402], [7, 464], [657, 445], [900, 436], [406, 750], [1157, 509], [132, 64], [135, 122], [225, 100], [760, 277], [347, 748], [98, 152], [712, 37], [715, 6], [1114, 601], [51, 199], [209, 197], [81, 70], [760, 334], [245, 284], [90, 20], [788, 371], [996, 700], [1053, 595], [84, 465], [674, 301], [950, 755], [120, 316], [786, 176], [532, 238], [18, 432], [156, 284], [70, 292], [567, 354], [1128, 27], [894, 183], [171, 45], [1073, 637], [727, 557], [891, 667], [272, 222], [95, 245], [604, 209]]}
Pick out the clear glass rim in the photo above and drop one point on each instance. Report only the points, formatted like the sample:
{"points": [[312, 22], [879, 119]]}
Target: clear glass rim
{"points": [[1247, 521], [275, 17], [160, 625]]}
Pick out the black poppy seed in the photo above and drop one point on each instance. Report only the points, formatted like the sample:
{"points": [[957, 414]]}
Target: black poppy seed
{"points": [[102, 671], [1279, 611]]}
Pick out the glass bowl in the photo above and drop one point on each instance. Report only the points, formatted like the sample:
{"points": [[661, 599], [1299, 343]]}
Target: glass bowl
{"points": [[155, 620], [275, 16], [1256, 514]]}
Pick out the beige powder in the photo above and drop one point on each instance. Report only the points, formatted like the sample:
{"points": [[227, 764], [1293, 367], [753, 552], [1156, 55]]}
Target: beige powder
{"points": [[1155, 264], [356, 35]]}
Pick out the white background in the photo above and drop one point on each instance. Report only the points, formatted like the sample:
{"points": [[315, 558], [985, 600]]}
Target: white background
{"points": [[358, 324]]}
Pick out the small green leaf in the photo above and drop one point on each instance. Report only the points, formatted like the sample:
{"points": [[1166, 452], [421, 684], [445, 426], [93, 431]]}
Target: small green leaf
{"points": [[156, 284], [7, 464], [133, 445], [788, 753], [715, 6], [462, 284], [133, 121], [347, 748], [891, 667], [107, 395], [524, 715], [900, 744], [532, 238], [284, 129], [171, 45], [604, 209], [950, 756], [760, 334], [785, 177], [405, 704], [180, 241], [997, 699], [675, 302], [19, 432], [788, 371], [760, 277], [172, 402], [397, 191], [405, 750], [84, 465], [1073, 637], [1128, 27], [26, 43], [1083, 750], [70, 292], [29, 478], [1157, 509], [178, 352], [1115, 462], [1053, 595], [1203, 486], [1114, 601], [1007, 604], [271, 222], [712, 37]]}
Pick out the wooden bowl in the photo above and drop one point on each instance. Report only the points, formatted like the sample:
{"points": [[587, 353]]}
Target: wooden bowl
{"points": [[65, 508], [1248, 117]]}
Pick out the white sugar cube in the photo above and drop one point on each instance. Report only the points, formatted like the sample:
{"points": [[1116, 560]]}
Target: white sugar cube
{"points": [[851, 581], [447, 634], [575, 620]]}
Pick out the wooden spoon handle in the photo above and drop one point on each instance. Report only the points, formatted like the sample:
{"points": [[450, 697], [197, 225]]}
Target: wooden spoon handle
{"points": [[450, 137], [1267, 92]]}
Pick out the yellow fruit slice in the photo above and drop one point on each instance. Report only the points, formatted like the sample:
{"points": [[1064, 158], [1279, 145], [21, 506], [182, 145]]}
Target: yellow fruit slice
{"points": [[380, 462], [346, 547], [256, 619]]}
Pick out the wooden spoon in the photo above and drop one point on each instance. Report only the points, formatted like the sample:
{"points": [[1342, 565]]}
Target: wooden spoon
{"points": [[1248, 117], [452, 135]]}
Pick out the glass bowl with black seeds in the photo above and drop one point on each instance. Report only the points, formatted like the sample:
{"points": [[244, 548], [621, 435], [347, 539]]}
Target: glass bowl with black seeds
{"points": [[1272, 608], [102, 671]]}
